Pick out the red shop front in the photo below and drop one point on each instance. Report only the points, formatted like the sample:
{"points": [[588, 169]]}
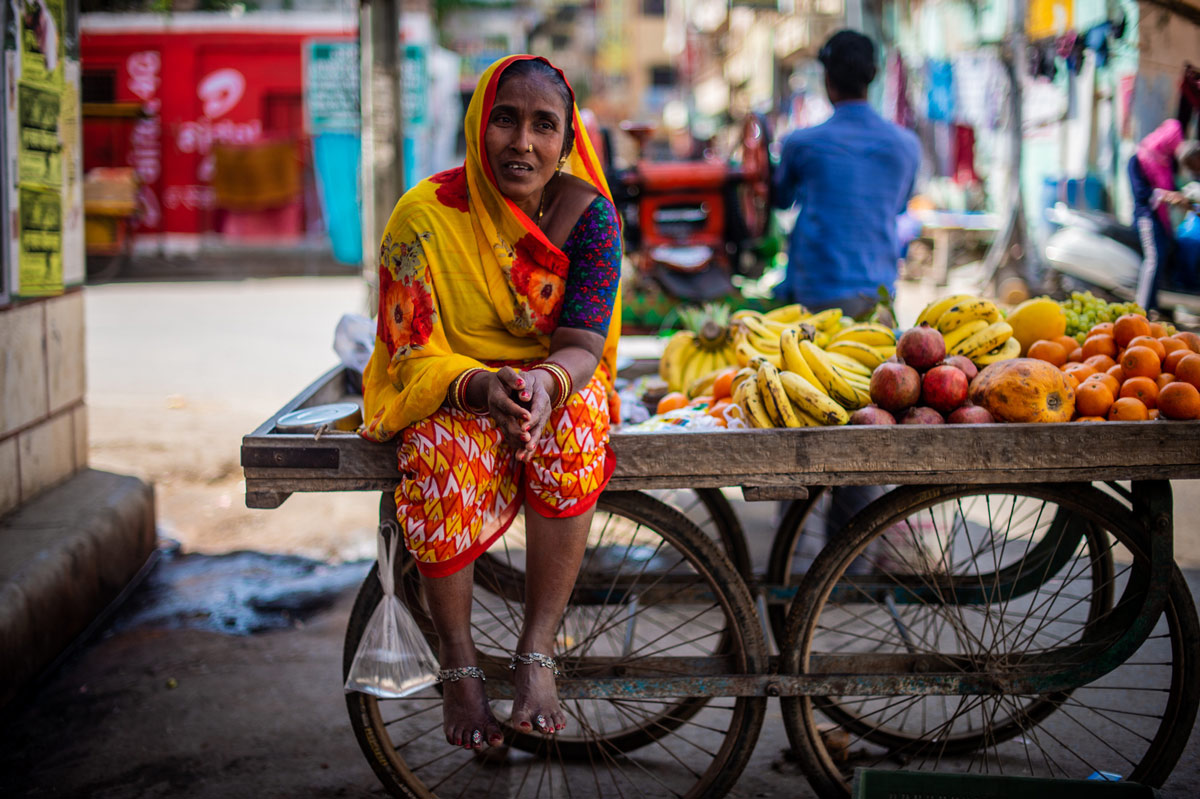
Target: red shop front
{"points": [[208, 110]]}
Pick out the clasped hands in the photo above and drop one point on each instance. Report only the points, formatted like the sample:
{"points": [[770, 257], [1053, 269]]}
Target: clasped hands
{"points": [[520, 404]]}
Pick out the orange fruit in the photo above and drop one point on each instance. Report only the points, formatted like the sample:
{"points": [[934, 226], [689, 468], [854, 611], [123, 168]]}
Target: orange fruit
{"points": [[1104, 328], [1099, 344], [1076, 354], [671, 402], [1157, 330], [717, 405], [1179, 401], [723, 385], [1092, 398], [1190, 339], [702, 399], [1101, 363], [1188, 370], [1171, 344], [1080, 371], [1128, 409], [1171, 362], [1152, 414], [1128, 327], [1113, 384], [1163, 379], [1142, 388], [1068, 342], [1091, 419], [1117, 372], [1140, 362], [1152, 343], [1049, 351]]}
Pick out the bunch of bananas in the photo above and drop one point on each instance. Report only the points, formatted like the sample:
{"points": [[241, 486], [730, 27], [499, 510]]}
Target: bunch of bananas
{"points": [[972, 326], [758, 335], [693, 354], [810, 386]]}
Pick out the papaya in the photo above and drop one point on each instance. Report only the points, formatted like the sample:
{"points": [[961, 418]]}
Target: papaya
{"points": [[1024, 390]]}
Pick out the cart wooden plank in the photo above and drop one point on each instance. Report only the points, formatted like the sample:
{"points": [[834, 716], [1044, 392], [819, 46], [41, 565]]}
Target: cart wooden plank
{"points": [[768, 463]]}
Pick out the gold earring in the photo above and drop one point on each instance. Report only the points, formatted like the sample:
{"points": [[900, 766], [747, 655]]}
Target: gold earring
{"points": [[529, 149], [561, 163]]}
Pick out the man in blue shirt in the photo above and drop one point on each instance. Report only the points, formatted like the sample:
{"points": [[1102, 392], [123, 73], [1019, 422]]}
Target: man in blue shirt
{"points": [[851, 176]]}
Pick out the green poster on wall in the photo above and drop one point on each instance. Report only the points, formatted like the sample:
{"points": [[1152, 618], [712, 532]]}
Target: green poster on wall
{"points": [[40, 254]]}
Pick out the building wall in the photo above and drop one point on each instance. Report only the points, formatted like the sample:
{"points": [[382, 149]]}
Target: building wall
{"points": [[43, 420]]}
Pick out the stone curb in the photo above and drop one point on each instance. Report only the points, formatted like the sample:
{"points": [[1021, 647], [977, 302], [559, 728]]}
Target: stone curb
{"points": [[63, 557]]}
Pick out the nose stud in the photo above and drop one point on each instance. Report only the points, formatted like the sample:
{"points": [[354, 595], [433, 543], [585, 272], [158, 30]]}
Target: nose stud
{"points": [[529, 149]]}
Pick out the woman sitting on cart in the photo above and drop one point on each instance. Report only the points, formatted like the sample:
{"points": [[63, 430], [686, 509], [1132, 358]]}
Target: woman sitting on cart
{"points": [[493, 362]]}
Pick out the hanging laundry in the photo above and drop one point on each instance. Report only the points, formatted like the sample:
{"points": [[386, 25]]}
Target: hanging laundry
{"points": [[896, 106], [964, 155], [941, 91], [1041, 59], [1096, 40], [944, 148], [976, 77]]}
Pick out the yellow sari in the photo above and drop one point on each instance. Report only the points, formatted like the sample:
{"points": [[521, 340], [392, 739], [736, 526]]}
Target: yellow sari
{"points": [[467, 279], [447, 294]]}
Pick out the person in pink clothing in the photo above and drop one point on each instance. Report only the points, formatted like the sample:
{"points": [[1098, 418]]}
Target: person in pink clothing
{"points": [[1152, 173]]}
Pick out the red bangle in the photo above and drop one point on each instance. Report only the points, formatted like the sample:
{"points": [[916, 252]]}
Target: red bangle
{"points": [[456, 394]]}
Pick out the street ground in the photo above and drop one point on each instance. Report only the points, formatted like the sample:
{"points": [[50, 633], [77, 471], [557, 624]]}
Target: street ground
{"points": [[154, 707]]}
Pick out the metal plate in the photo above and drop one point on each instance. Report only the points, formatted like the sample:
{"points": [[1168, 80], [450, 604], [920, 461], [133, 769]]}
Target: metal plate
{"points": [[336, 416]]}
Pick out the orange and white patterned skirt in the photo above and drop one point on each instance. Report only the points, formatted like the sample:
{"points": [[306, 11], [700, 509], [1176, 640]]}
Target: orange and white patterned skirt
{"points": [[462, 486]]}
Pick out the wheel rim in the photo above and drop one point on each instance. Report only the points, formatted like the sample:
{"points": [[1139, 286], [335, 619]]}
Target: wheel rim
{"points": [[1136, 707], [612, 747]]}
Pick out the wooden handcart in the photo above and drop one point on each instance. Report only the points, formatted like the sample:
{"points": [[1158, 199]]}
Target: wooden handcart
{"points": [[1007, 606]]}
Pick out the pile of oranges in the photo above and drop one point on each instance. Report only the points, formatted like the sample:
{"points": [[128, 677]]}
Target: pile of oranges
{"points": [[718, 403], [1129, 370]]}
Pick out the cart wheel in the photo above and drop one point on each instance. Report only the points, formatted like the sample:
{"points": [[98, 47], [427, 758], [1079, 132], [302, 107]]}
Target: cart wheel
{"points": [[651, 586], [709, 510], [967, 573]]}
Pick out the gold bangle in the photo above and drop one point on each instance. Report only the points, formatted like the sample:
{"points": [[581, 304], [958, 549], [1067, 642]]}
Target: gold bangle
{"points": [[562, 379], [456, 394]]}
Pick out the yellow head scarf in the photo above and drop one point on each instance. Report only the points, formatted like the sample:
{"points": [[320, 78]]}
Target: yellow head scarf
{"points": [[466, 277]]}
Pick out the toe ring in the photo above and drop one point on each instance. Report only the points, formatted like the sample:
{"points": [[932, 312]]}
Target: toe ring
{"points": [[477, 737]]}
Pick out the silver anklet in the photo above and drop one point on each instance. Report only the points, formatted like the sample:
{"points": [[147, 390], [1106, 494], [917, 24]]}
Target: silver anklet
{"points": [[531, 658], [460, 673]]}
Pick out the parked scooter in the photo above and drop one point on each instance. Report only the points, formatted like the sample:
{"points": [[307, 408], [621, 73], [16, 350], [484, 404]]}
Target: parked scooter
{"points": [[1093, 251]]}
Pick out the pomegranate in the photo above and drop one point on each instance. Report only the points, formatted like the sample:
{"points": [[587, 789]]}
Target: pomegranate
{"points": [[970, 414], [895, 386], [963, 362], [922, 415], [944, 388], [872, 414], [921, 347]]}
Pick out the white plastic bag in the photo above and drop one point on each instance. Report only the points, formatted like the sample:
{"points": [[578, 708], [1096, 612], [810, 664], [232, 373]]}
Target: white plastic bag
{"points": [[393, 657], [353, 340]]}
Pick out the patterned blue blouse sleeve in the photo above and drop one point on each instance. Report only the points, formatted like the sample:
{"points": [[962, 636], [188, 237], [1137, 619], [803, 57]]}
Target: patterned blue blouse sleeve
{"points": [[594, 248]]}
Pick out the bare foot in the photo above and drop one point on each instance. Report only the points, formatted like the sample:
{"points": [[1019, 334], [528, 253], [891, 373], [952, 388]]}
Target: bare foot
{"points": [[467, 717], [535, 704]]}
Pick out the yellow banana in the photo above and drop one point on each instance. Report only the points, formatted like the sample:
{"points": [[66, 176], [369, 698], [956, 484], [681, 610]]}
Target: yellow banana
{"points": [[984, 341], [788, 314], [812, 401], [934, 310], [829, 318], [758, 329], [770, 390], [752, 404], [693, 369], [741, 375], [886, 352], [864, 354], [743, 352], [1010, 349], [742, 313], [968, 311], [831, 379], [963, 332], [793, 360], [848, 365], [870, 333], [670, 366], [806, 420]]}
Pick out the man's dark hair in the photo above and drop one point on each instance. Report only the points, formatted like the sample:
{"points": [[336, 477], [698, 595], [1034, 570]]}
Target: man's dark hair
{"points": [[531, 67], [849, 61]]}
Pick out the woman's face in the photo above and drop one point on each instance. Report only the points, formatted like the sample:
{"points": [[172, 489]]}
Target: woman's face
{"points": [[528, 111]]}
